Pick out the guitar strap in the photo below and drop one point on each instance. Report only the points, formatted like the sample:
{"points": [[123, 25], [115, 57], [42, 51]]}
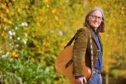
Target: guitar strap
{"points": [[91, 47], [70, 42]]}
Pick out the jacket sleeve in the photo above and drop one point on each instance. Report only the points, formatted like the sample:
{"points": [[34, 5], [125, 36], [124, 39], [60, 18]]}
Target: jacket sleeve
{"points": [[79, 50]]}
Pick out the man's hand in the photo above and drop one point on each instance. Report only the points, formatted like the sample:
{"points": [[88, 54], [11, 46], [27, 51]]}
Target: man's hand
{"points": [[81, 80]]}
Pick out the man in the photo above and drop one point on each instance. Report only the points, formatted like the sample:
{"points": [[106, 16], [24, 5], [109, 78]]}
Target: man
{"points": [[88, 48]]}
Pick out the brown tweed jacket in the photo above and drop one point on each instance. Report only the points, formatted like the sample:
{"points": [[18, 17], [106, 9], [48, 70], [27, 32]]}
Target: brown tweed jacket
{"points": [[82, 51]]}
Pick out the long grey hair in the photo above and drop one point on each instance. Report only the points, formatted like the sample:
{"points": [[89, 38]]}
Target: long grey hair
{"points": [[101, 28]]}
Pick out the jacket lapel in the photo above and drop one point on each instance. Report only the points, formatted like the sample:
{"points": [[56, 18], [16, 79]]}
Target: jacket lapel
{"points": [[93, 37], [94, 40], [100, 43]]}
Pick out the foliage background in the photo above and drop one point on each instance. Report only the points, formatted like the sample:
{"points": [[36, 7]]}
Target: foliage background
{"points": [[33, 32]]}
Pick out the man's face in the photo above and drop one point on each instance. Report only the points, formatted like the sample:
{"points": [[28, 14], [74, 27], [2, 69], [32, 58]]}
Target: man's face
{"points": [[95, 19]]}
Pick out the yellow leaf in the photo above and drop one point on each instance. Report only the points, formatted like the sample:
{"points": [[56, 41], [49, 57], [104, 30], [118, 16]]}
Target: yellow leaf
{"points": [[7, 10], [3, 6], [46, 1], [56, 17], [54, 11]]}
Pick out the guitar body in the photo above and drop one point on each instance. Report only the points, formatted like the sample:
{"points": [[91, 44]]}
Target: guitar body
{"points": [[63, 59]]}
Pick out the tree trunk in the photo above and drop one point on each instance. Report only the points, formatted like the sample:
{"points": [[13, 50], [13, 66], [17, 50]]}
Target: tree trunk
{"points": [[107, 78]]}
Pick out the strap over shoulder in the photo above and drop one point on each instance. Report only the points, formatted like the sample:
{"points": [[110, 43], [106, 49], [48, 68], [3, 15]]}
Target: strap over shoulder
{"points": [[70, 42], [76, 34], [74, 37]]}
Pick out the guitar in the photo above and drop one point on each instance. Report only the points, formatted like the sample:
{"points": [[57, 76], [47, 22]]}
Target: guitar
{"points": [[64, 65]]}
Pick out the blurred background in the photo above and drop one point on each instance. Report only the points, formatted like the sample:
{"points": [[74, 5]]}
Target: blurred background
{"points": [[33, 32]]}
